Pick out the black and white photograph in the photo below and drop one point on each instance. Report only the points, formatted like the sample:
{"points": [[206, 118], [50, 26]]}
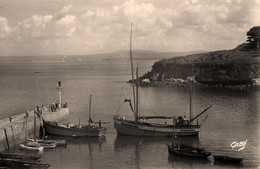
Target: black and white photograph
{"points": [[129, 84]]}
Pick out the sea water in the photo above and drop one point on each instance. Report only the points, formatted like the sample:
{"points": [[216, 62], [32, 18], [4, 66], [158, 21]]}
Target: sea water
{"points": [[232, 125]]}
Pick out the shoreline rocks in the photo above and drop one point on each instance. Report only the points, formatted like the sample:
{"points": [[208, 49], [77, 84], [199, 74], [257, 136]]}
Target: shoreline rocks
{"points": [[221, 69]]}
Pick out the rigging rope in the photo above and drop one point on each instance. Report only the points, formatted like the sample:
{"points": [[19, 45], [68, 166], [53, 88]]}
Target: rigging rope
{"points": [[204, 119], [118, 108]]}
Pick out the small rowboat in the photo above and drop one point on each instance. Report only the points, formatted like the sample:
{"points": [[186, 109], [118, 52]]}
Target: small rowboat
{"points": [[45, 145], [48, 145], [227, 159], [57, 142], [187, 151], [33, 146]]}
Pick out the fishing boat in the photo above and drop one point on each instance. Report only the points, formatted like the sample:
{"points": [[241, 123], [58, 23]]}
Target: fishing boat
{"points": [[140, 125], [90, 130], [227, 159], [187, 151]]}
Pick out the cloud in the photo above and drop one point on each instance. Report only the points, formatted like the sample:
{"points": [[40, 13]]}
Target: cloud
{"points": [[5, 30], [45, 26], [66, 9], [33, 27], [66, 26], [132, 9], [181, 25]]}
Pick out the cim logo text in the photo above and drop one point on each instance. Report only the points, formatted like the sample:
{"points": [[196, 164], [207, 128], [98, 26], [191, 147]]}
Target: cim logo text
{"points": [[240, 145]]}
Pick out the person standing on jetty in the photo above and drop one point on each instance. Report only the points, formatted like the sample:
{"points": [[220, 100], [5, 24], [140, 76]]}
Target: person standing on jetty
{"points": [[56, 105], [59, 84]]}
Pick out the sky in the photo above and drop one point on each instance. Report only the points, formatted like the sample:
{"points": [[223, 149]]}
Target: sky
{"points": [[82, 27]]}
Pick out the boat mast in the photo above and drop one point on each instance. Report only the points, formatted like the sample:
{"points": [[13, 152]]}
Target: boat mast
{"points": [[89, 112], [59, 87], [190, 110], [131, 58], [34, 126], [174, 134], [26, 116], [137, 98]]}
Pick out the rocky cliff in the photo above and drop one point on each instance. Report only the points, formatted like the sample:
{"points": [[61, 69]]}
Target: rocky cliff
{"points": [[227, 67]]}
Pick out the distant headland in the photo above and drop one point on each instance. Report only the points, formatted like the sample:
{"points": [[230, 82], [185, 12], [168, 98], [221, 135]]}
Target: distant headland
{"points": [[237, 67]]}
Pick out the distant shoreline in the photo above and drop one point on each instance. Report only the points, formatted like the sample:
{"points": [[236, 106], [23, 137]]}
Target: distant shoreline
{"points": [[185, 84]]}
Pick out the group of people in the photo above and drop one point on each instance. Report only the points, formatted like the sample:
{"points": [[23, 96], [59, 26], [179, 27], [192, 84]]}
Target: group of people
{"points": [[54, 106], [182, 121], [38, 111]]}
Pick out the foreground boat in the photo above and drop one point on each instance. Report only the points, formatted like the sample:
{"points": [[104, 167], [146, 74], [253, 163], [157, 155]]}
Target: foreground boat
{"points": [[140, 127], [14, 163], [187, 151], [56, 142], [45, 145], [228, 159], [19, 157], [32, 146]]}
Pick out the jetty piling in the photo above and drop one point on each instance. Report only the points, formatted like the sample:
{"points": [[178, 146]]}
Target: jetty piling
{"points": [[13, 132]]}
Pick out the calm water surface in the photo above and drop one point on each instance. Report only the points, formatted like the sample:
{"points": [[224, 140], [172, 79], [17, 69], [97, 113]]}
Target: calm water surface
{"points": [[234, 115]]}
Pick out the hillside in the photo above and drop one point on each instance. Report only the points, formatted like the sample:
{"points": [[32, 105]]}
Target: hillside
{"points": [[227, 67], [122, 54]]}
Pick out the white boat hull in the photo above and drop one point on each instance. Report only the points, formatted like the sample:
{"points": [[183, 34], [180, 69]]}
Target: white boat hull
{"points": [[25, 147]]}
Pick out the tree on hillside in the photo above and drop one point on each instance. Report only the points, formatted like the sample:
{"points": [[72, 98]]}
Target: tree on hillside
{"points": [[253, 37]]}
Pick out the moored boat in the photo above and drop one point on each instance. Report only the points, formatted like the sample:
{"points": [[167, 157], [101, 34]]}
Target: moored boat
{"points": [[54, 128], [48, 145], [33, 146], [15, 163], [140, 126], [227, 159], [45, 145], [76, 130], [19, 157], [187, 151], [57, 142]]}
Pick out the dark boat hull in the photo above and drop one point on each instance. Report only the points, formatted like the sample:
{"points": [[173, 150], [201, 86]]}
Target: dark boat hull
{"points": [[127, 127], [14, 163], [227, 159], [89, 131], [182, 153], [19, 157]]}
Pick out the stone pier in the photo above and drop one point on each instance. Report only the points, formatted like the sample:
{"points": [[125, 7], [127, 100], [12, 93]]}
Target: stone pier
{"points": [[13, 129]]}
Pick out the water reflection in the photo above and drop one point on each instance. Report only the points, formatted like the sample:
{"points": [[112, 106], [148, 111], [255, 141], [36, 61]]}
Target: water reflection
{"points": [[228, 165], [80, 140], [80, 152], [148, 152], [139, 152], [186, 162]]}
